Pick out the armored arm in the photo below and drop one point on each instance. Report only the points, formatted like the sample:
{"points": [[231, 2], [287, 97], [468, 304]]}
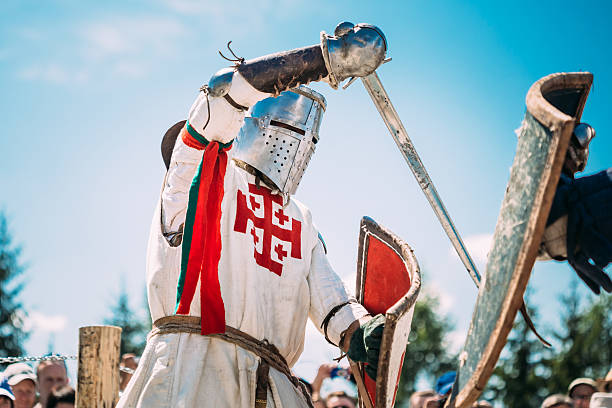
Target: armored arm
{"points": [[353, 51], [218, 112], [579, 226]]}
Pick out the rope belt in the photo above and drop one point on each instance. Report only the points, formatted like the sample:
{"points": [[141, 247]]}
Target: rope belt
{"points": [[268, 353]]}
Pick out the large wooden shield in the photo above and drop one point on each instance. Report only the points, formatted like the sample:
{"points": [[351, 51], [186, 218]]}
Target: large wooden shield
{"points": [[388, 282], [554, 106]]}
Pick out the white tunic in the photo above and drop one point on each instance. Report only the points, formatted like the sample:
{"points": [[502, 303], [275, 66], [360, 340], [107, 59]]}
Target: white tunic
{"points": [[273, 274]]}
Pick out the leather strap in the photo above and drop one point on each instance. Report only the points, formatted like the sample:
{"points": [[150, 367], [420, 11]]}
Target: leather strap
{"points": [[329, 316], [269, 354], [261, 392]]}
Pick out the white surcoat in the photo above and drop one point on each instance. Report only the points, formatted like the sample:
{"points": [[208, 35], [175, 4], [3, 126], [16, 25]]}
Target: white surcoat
{"points": [[270, 284]]}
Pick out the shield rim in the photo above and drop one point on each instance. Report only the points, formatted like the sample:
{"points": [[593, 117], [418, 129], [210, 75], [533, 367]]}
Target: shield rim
{"points": [[562, 125], [396, 311]]}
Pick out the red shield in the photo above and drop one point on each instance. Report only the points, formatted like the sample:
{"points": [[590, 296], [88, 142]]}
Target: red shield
{"points": [[388, 282]]}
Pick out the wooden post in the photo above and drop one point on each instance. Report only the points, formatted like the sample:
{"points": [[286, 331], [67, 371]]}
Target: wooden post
{"points": [[98, 371]]}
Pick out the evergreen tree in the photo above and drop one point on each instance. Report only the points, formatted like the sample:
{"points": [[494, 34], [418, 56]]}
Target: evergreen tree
{"points": [[12, 313], [520, 378], [585, 340], [427, 351], [134, 327]]}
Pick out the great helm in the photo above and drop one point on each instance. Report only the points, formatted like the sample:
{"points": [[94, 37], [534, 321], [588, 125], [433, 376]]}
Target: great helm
{"points": [[280, 136]]}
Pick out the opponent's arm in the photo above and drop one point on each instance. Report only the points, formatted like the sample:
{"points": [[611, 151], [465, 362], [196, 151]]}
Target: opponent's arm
{"points": [[579, 225], [581, 222]]}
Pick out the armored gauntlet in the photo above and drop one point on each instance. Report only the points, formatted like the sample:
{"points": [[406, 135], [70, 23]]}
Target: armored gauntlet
{"points": [[354, 51]]}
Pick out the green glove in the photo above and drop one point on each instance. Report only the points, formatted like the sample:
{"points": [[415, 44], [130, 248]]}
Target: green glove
{"points": [[365, 344]]}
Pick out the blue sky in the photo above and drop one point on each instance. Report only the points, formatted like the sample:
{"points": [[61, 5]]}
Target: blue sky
{"points": [[88, 89]]}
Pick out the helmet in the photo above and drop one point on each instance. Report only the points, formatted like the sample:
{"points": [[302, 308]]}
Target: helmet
{"points": [[279, 137]]}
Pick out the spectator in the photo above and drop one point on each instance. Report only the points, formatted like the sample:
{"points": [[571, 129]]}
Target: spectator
{"points": [[61, 397], [581, 390], [22, 380], [444, 384], [601, 400], [340, 399], [482, 404], [605, 384], [557, 401], [6, 396], [418, 399], [130, 361], [323, 373], [50, 374], [330, 370]]}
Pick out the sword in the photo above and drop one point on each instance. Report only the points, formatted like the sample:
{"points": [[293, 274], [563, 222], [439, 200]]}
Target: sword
{"points": [[389, 115]]}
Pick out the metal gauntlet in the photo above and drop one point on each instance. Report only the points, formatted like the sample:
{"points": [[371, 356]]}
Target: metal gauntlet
{"points": [[353, 51]]}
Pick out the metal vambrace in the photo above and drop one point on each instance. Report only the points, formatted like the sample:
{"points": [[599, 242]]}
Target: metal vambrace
{"points": [[354, 50]]}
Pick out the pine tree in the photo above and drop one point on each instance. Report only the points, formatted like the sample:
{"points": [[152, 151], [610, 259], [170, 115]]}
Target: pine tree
{"points": [[585, 340], [427, 351], [134, 327], [520, 378], [12, 313]]}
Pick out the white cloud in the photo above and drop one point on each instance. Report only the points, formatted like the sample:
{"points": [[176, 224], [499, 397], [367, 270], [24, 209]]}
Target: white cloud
{"points": [[131, 37], [121, 46], [446, 300], [189, 6], [478, 245], [240, 14], [51, 72], [131, 69], [40, 322], [30, 34], [456, 340]]}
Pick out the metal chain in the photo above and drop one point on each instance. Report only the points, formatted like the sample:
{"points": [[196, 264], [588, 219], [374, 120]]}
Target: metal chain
{"points": [[126, 370], [55, 357], [11, 360]]}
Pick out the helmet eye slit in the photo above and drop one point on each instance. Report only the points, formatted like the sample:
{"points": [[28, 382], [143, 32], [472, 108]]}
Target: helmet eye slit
{"points": [[288, 127]]}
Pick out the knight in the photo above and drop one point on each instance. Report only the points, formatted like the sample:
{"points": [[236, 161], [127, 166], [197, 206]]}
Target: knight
{"points": [[579, 226], [235, 264]]}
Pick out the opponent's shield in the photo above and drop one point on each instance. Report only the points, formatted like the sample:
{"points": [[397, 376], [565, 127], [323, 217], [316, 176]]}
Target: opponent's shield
{"points": [[388, 282], [554, 106]]}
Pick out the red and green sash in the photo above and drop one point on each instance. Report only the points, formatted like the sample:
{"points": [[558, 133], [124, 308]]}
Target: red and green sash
{"points": [[202, 236]]}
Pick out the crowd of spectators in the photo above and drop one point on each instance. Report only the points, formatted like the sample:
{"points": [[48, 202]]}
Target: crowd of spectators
{"points": [[435, 398], [47, 387], [581, 393]]}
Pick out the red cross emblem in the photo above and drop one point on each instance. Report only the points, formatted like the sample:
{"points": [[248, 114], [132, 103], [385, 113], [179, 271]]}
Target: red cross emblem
{"points": [[273, 228]]}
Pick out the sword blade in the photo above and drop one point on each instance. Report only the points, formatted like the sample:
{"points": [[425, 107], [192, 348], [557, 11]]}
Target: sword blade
{"points": [[398, 132]]}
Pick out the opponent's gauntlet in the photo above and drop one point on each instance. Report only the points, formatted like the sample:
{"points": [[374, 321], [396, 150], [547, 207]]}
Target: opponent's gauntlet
{"points": [[354, 51]]}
